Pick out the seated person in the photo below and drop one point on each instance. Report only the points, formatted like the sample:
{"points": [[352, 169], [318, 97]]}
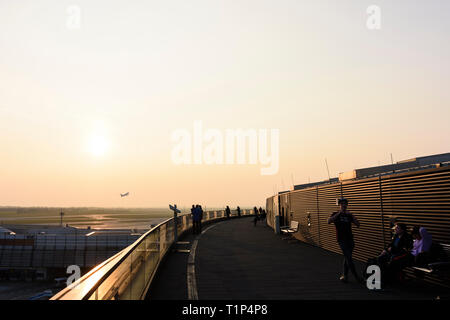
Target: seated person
{"points": [[396, 256], [421, 246]]}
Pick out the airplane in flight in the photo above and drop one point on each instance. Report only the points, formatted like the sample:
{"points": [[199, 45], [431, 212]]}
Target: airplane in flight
{"points": [[124, 194]]}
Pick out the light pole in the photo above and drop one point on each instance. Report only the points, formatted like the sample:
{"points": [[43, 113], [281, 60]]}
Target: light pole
{"points": [[61, 214], [175, 220]]}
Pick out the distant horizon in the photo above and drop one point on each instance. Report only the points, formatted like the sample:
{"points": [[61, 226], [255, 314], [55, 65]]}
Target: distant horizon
{"points": [[119, 208]]}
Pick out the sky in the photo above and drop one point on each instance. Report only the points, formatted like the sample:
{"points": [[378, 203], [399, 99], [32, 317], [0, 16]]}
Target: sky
{"points": [[91, 93]]}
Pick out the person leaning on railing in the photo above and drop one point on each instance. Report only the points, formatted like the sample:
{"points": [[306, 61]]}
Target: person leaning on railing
{"points": [[343, 221]]}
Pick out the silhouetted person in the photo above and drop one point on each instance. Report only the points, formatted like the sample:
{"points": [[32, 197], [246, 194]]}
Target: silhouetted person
{"points": [[201, 218], [255, 219], [228, 212], [260, 214], [192, 217], [343, 220], [194, 221], [197, 219], [263, 215], [238, 211], [421, 251], [396, 256]]}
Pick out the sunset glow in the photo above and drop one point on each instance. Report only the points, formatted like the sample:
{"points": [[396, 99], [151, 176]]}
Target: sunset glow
{"points": [[98, 145], [91, 94]]}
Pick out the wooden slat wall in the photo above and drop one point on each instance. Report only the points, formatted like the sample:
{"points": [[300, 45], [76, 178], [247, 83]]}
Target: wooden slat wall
{"points": [[327, 205], [414, 198], [422, 199], [304, 205]]}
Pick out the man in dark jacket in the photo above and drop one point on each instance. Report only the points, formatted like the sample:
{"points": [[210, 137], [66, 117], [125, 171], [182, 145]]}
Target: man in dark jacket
{"points": [[343, 220], [197, 213], [401, 242]]}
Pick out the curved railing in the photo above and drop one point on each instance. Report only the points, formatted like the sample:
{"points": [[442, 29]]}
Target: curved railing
{"points": [[128, 274]]}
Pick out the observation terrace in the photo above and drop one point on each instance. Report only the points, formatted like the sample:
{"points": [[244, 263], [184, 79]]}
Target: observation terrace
{"points": [[231, 259]]}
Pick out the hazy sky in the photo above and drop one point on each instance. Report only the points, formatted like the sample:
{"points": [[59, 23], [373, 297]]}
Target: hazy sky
{"points": [[87, 113]]}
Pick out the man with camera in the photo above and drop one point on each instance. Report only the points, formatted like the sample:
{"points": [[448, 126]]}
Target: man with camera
{"points": [[343, 220]]}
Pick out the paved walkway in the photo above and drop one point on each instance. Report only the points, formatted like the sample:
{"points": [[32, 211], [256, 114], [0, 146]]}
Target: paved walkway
{"points": [[235, 260]]}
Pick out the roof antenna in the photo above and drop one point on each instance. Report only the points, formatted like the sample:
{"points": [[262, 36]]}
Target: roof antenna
{"points": [[326, 162], [392, 161]]}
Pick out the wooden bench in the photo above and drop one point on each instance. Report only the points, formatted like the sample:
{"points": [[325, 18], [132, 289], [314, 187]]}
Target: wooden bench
{"points": [[289, 230], [440, 255]]}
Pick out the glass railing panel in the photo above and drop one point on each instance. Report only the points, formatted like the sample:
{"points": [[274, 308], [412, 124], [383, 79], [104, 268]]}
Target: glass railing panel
{"points": [[117, 284], [188, 221], [138, 261], [162, 240], [153, 254]]}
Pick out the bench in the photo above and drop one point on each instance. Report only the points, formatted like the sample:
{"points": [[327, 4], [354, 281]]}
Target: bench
{"points": [[289, 230], [440, 257], [61, 281]]}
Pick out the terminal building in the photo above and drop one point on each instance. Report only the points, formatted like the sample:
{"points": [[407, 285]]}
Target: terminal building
{"points": [[37, 252]]}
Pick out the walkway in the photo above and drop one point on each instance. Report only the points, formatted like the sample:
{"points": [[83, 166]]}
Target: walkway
{"points": [[235, 260]]}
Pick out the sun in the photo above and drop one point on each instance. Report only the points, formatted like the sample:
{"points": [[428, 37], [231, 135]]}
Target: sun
{"points": [[98, 145]]}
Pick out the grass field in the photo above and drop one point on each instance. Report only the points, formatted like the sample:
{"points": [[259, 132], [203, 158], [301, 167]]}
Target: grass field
{"points": [[101, 218], [113, 218]]}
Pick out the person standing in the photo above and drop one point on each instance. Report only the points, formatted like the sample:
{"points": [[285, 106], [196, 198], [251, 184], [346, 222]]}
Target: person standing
{"points": [[255, 211], [228, 212], [200, 209], [196, 219], [194, 222], [238, 211], [343, 221]]}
